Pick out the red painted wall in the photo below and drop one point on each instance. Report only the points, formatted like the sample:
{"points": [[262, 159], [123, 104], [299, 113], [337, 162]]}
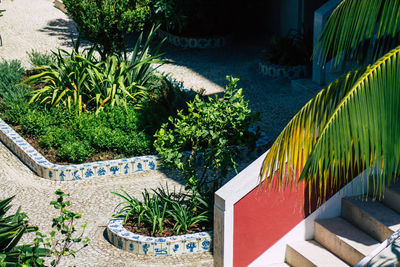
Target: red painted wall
{"points": [[261, 218]]}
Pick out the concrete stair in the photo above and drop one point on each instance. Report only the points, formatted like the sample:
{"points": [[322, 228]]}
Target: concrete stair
{"points": [[345, 240]]}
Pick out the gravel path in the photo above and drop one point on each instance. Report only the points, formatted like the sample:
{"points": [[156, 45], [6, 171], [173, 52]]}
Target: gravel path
{"points": [[36, 24], [94, 200]]}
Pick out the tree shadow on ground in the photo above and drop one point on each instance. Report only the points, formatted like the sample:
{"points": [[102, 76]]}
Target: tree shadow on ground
{"points": [[64, 29]]}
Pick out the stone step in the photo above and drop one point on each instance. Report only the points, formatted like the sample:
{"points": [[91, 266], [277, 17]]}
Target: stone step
{"points": [[343, 239], [278, 265], [371, 216], [311, 254], [392, 197]]}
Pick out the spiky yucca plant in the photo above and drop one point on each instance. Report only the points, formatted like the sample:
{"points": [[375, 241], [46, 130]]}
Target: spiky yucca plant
{"points": [[354, 123]]}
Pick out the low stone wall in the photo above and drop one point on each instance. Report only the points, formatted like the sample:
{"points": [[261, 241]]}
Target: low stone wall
{"points": [[188, 42], [155, 246], [278, 71]]}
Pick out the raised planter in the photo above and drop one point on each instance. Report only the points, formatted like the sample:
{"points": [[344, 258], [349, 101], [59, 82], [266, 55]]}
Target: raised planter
{"points": [[45, 169], [191, 42], [278, 71], [155, 246]]}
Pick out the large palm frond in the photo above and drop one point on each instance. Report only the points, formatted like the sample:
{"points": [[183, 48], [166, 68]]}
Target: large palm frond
{"points": [[360, 30], [351, 125]]}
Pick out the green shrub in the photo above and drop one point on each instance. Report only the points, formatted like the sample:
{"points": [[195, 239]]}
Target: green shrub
{"points": [[79, 83], [34, 122], [138, 144], [54, 136], [211, 129], [193, 18], [38, 59], [75, 152], [291, 50], [107, 22], [11, 74], [12, 114]]}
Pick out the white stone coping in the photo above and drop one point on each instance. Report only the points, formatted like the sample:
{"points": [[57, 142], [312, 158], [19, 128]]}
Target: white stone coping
{"points": [[156, 246]]}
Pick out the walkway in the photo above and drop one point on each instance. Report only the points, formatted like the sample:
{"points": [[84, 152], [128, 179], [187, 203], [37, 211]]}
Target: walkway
{"points": [[36, 24]]}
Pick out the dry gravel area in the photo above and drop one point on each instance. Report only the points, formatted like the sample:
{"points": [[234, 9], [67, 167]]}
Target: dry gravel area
{"points": [[37, 24]]}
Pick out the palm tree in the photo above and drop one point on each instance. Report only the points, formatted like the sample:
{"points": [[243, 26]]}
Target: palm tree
{"points": [[354, 123]]}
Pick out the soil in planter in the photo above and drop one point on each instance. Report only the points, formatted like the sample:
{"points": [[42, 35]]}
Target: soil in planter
{"points": [[132, 226]]}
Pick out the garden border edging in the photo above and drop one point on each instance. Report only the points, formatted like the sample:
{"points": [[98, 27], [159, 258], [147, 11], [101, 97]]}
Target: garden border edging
{"points": [[280, 71], [45, 169], [155, 246], [191, 42]]}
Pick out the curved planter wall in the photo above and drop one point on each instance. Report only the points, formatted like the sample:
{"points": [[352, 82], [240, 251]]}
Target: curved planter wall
{"points": [[278, 71], [187, 42], [45, 169], [155, 246]]}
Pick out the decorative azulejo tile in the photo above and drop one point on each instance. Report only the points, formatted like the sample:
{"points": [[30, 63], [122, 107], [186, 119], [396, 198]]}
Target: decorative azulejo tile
{"points": [[185, 42], [157, 246]]}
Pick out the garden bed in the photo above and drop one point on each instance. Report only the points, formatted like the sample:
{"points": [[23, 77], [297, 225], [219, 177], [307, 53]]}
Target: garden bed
{"points": [[45, 169], [120, 237]]}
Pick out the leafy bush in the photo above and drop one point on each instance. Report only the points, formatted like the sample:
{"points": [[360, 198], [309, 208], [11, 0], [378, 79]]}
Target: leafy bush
{"points": [[211, 130], [77, 151], [34, 122], [106, 22], [79, 83], [193, 18], [291, 50]]}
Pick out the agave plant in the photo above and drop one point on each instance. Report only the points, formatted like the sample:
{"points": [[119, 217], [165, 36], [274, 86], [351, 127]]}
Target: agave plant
{"points": [[354, 123]]}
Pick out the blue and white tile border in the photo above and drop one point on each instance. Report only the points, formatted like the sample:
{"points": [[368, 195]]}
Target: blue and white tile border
{"points": [[155, 246], [278, 71], [188, 42], [45, 169]]}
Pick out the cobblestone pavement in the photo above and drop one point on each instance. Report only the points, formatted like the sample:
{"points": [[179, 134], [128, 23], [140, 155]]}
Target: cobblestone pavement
{"points": [[94, 200], [36, 24]]}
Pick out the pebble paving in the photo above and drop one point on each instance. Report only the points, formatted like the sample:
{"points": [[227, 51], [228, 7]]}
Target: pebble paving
{"points": [[37, 24]]}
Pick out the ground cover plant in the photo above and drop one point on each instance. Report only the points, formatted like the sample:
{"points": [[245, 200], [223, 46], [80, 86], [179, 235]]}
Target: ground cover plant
{"points": [[201, 143], [80, 108]]}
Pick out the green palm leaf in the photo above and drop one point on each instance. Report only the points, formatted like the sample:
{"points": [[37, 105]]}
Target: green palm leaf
{"points": [[360, 30], [350, 126]]}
